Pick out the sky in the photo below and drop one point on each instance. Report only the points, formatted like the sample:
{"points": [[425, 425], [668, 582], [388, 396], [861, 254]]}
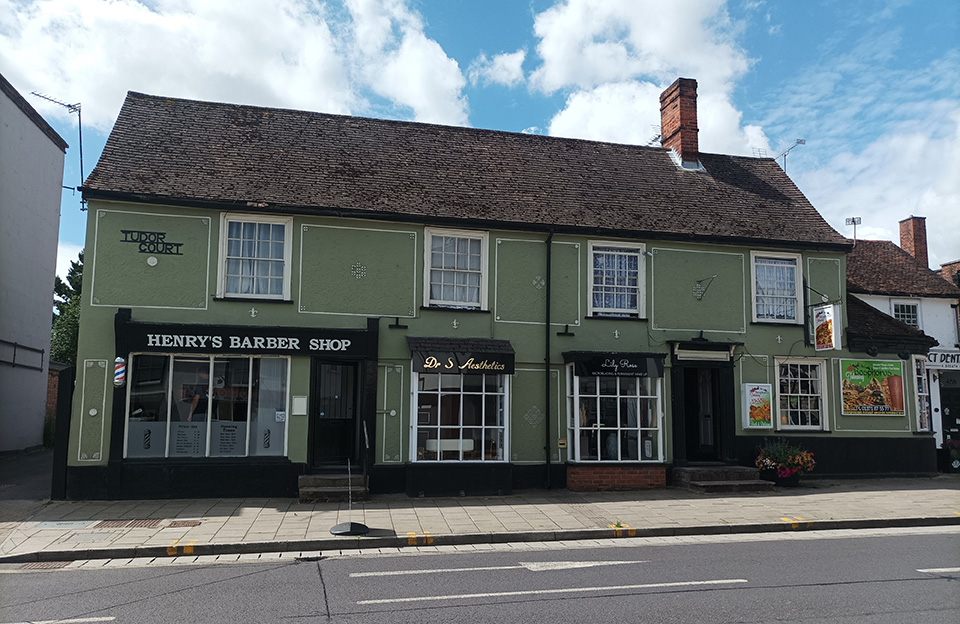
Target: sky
{"points": [[871, 86]]}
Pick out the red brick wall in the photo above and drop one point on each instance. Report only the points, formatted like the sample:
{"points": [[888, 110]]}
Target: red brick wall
{"points": [[678, 119], [594, 478], [53, 382], [913, 238]]}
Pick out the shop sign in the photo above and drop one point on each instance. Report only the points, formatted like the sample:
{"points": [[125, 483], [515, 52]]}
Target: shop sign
{"points": [[949, 360], [601, 364], [826, 328], [149, 337], [872, 387], [757, 406], [463, 362]]}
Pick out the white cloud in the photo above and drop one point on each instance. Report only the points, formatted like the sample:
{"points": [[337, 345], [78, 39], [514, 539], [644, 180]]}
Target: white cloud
{"points": [[398, 61], [505, 69], [66, 253], [586, 43], [617, 57], [905, 172], [286, 53]]}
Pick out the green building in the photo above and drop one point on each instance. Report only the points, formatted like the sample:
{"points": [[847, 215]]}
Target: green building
{"points": [[273, 293]]}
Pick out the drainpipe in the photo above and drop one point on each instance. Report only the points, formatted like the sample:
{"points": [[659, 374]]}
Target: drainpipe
{"points": [[546, 365]]}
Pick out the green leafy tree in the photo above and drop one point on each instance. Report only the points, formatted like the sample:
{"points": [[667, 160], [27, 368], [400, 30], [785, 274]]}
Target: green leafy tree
{"points": [[66, 318]]}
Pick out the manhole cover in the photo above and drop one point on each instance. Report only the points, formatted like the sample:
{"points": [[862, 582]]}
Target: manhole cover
{"points": [[111, 524], [144, 523], [181, 524], [45, 565]]}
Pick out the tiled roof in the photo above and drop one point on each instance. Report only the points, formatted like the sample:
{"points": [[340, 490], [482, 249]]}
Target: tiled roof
{"points": [[202, 153], [866, 322], [883, 268]]}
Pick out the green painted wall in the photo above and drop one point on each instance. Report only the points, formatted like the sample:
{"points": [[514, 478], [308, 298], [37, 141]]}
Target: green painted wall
{"points": [[344, 271]]}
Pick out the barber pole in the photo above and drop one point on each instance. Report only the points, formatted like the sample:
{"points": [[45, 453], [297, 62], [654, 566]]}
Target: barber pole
{"points": [[119, 372]]}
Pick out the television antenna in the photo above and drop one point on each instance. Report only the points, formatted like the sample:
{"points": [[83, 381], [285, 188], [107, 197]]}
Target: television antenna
{"points": [[787, 151], [71, 108], [854, 221]]}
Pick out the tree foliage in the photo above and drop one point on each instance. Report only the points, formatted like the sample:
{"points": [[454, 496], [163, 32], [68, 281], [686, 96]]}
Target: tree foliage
{"points": [[66, 318]]}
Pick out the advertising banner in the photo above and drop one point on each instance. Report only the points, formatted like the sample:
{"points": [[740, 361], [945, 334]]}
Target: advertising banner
{"points": [[757, 406], [872, 387], [826, 328]]}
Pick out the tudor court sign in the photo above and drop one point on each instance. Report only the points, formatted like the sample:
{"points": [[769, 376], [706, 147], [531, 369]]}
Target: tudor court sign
{"points": [[164, 338]]}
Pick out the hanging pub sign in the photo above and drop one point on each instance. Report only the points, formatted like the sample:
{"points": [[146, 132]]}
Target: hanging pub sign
{"points": [[757, 406], [467, 356], [872, 387], [614, 364], [826, 328]]}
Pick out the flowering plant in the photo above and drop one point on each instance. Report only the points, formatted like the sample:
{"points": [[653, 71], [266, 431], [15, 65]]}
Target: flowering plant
{"points": [[784, 458], [951, 444]]}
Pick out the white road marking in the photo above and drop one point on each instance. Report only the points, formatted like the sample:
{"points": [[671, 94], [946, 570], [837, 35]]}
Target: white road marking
{"points": [[939, 570], [533, 566], [539, 592], [73, 621]]}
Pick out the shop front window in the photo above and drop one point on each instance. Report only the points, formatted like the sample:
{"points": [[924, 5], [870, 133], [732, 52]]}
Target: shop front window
{"points": [[800, 392], [460, 417], [203, 406], [614, 418]]}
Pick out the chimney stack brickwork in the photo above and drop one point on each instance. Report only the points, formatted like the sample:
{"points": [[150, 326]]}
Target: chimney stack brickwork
{"points": [[678, 119], [913, 238]]}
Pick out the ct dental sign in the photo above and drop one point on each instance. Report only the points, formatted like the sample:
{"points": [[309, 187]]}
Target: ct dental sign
{"points": [[949, 360], [151, 337]]}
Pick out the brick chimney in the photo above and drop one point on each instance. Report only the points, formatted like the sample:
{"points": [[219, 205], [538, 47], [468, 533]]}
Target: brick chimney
{"points": [[913, 238], [678, 121]]}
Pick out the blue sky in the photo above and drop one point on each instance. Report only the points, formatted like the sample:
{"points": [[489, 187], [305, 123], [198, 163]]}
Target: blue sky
{"points": [[873, 86]]}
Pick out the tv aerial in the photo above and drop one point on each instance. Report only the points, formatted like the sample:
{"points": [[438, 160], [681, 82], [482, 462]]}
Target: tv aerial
{"points": [[71, 108]]}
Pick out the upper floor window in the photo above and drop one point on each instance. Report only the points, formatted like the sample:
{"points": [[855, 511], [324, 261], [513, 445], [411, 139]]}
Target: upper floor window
{"points": [[617, 284], [255, 256], [776, 288], [455, 269], [907, 312]]}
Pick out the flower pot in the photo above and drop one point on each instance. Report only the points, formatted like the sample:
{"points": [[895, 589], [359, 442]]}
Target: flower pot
{"points": [[771, 475]]}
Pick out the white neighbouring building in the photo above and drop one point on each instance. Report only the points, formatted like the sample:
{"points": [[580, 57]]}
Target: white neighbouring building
{"points": [[898, 281], [31, 174]]}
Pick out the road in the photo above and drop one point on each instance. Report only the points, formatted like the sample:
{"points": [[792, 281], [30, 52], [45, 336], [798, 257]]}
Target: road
{"points": [[895, 575]]}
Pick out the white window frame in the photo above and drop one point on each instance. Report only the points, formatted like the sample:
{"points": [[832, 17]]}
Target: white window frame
{"points": [[906, 302], [415, 425], [924, 405], [822, 394], [225, 219], [798, 295], [640, 250], [484, 238], [574, 426]]}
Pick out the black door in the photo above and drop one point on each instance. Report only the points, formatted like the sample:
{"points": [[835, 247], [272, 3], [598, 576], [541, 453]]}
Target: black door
{"points": [[333, 416], [702, 414]]}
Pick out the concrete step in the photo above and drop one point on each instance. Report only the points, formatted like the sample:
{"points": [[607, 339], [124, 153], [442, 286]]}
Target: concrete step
{"points": [[332, 480], [739, 485], [332, 487], [684, 475], [331, 494]]}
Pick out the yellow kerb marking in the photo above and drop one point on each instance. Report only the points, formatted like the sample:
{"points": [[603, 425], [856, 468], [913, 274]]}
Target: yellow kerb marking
{"points": [[411, 538], [188, 549], [795, 522], [172, 548], [623, 530]]}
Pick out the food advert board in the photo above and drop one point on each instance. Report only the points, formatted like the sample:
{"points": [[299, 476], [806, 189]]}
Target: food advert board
{"points": [[872, 387], [757, 406], [826, 328]]}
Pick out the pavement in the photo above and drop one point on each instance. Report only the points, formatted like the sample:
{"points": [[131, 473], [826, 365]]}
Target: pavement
{"points": [[35, 529]]}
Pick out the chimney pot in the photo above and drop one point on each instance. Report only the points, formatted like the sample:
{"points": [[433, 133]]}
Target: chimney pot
{"points": [[913, 238], [678, 121]]}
